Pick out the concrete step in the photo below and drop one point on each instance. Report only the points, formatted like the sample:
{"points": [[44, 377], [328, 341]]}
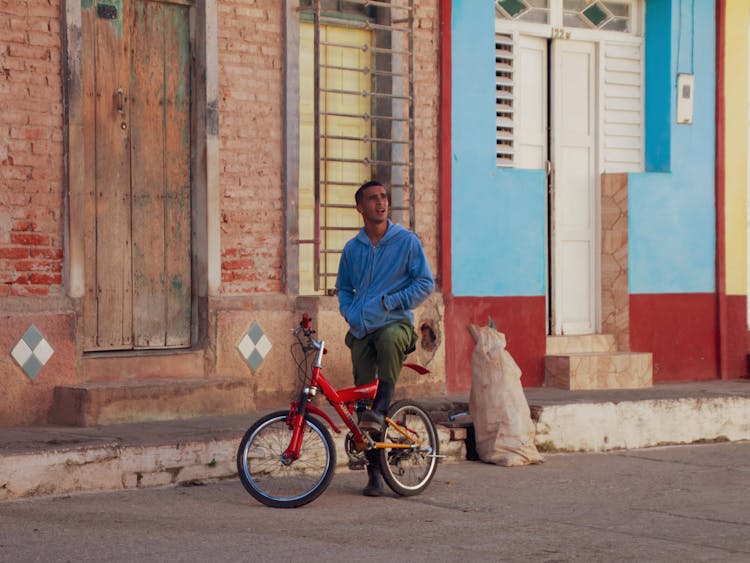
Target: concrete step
{"points": [[103, 403], [129, 366], [558, 345], [599, 370]]}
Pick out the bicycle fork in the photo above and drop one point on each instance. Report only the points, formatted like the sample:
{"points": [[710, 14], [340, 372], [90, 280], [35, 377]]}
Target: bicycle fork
{"points": [[296, 418]]}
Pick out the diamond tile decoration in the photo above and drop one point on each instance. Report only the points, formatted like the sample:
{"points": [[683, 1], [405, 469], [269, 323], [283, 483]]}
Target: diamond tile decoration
{"points": [[254, 346], [32, 352]]}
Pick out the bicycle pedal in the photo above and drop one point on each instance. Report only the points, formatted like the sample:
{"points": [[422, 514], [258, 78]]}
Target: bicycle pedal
{"points": [[357, 465]]}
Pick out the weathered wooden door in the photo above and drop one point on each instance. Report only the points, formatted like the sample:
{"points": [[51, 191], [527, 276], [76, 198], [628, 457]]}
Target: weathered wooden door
{"points": [[136, 89]]}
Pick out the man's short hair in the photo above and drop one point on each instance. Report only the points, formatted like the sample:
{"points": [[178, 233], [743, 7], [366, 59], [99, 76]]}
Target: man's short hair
{"points": [[363, 187]]}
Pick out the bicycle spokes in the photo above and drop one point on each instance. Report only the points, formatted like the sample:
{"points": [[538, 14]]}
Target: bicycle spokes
{"points": [[410, 449]]}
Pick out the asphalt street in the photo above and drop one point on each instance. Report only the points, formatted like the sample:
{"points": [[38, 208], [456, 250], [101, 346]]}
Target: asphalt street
{"points": [[682, 503]]}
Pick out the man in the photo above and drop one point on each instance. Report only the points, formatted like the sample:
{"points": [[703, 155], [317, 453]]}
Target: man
{"points": [[383, 274]]}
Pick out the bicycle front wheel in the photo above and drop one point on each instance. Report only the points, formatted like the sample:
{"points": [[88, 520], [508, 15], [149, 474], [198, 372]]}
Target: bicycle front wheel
{"points": [[408, 471], [277, 482]]}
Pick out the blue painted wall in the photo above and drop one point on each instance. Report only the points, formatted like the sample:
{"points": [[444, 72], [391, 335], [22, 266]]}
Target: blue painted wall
{"points": [[672, 211], [498, 215]]}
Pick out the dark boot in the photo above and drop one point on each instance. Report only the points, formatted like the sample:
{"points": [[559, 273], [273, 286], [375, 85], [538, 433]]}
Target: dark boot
{"points": [[383, 397], [374, 487], [372, 419]]}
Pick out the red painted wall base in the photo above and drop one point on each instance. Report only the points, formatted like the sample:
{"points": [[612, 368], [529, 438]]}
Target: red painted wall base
{"points": [[680, 330], [737, 349], [523, 320]]}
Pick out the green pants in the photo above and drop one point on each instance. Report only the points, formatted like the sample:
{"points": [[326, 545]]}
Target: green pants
{"points": [[382, 352]]}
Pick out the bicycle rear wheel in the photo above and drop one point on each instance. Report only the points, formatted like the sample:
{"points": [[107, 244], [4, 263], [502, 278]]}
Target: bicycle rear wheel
{"points": [[409, 471], [279, 483]]}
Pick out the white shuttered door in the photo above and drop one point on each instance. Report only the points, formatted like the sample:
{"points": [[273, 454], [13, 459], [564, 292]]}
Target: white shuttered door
{"points": [[574, 190], [591, 91]]}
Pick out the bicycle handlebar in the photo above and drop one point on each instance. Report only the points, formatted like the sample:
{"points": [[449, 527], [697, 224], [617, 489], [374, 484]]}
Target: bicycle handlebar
{"points": [[305, 327]]}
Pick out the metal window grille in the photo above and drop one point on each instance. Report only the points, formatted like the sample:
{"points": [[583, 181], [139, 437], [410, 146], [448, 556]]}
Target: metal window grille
{"points": [[386, 149]]}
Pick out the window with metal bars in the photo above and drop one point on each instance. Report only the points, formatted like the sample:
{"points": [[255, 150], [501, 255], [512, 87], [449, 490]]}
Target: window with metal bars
{"points": [[356, 123]]}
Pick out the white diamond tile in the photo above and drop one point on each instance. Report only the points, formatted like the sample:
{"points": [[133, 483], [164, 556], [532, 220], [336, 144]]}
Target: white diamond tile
{"points": [[246, 346], [263, 346], [21, 353], [43, 351]]}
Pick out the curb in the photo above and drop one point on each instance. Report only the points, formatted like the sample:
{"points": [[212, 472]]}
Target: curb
{"points": [[118, 466], [64, 460]]}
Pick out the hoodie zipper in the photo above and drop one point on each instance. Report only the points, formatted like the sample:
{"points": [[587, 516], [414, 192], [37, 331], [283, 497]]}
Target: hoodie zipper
{"points": [[371, 276]]}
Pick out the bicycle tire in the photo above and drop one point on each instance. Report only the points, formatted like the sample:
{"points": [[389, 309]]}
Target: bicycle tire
{"points": [[409, 472], [275, 483]]}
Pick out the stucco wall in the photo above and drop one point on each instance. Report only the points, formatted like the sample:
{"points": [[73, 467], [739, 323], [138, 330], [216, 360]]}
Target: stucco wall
{"points": [[735, 144], [672, 215]]}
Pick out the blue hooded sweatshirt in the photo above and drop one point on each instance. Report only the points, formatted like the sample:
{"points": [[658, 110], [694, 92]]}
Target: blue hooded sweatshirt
{"points": [[380, 284]]}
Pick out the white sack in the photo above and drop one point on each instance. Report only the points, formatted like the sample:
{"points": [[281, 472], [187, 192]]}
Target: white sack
{"points": [[501, 416]]}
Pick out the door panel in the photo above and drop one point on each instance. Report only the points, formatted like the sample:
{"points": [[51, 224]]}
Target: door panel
{"points": [[177, 225], [531, 102], [110, 299], [575, 204], [149, 306], [161, 180]]}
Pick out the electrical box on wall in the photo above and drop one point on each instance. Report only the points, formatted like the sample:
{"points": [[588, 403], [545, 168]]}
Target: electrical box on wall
{"points": [[685, 95]]}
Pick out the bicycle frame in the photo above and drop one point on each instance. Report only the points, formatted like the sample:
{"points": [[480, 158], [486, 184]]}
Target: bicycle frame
{"points": [[342, 401]]}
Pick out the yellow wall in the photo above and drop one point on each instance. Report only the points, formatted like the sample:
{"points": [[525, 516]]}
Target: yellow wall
{"points": [[736, 144]]}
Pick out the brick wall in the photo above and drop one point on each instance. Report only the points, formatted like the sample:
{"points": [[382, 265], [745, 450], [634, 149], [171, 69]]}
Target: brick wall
{"points": [[251, 129], [251, 125], [426, 109], [31, 148]]}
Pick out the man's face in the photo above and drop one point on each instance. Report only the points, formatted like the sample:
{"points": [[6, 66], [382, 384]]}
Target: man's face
{"points": [[374, 205]]}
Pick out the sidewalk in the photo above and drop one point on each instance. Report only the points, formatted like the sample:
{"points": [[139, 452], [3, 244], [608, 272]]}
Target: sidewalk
{"points": [[59, 460]]}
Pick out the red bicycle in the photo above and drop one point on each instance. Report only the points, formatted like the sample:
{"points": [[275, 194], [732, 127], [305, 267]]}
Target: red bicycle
{"points": [[287, 458]]}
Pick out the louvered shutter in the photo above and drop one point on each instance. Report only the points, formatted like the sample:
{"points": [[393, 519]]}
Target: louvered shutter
{"points": [[623, 107], [504, 99]]}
